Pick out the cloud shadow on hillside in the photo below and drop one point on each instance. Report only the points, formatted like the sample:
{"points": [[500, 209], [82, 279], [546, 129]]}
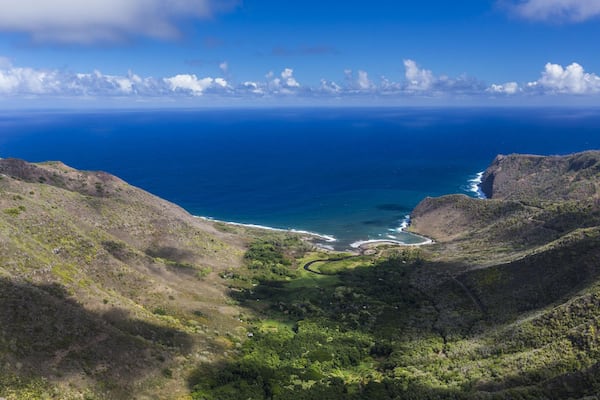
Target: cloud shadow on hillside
{"points": [[46, 334]]}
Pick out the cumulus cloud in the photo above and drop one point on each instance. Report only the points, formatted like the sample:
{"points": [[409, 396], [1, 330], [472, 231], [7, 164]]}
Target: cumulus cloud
{"points": [[286, 83], [18, 81], [558, 10], [359, 83], [364, 83], [251, 87], [418, 79], [98, 83], [571, 79], [421, 81], [90, 21], [330, 87], [25, 82], [506, 88], [288, 78], [186, 82]]}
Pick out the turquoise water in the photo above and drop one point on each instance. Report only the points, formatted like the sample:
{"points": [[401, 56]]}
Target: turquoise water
{"points": [[353, 174]]}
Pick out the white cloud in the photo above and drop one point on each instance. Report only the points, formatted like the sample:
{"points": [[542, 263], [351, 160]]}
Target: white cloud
{"points": [[285, 84], [251, 87], [329, 87], [418, 79], [191, 83], [558, 10], [99, 84], [571, 80], [507, 88], [220, 82], [363, 80], [27, 82], [358, 84], [288, 78], [90, 21]]}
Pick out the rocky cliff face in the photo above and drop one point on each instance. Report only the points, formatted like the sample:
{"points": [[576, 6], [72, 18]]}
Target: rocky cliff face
{"points": [[522, 177], [532, 200]]}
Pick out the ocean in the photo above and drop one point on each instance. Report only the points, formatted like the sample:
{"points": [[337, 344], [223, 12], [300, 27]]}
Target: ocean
{"points": [[351, 174]]}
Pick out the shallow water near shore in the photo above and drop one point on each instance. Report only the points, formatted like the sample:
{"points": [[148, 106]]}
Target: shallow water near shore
{"points": [[354, 174]]}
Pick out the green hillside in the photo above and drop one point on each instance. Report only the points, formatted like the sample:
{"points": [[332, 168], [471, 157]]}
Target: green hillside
{"points": [[109, 292], [105, 290]]}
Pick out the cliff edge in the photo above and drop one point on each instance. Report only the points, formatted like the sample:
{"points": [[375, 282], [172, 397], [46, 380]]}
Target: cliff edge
{"points": [[523, 177], [532, 201]]}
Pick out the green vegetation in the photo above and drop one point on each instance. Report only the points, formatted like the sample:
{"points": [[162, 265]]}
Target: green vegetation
{"points": [[226, 228], [14, 211], [203, 272], [267, 257], [379, 333], [107, 292], [432, 323], [99, 295]]}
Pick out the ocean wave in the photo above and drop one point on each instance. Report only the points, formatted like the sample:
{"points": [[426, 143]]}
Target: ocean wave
{"points": [[327, 238], [474, 186], [360, 243], [404, 224]]}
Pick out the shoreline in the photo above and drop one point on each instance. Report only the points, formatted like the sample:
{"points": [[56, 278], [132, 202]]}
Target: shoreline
{"points": [[327, 238], [362, 243], [358, 245], [475, 185]]}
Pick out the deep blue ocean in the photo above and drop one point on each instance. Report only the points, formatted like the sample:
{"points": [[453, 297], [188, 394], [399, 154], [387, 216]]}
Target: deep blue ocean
{"points": [[350, 173]]}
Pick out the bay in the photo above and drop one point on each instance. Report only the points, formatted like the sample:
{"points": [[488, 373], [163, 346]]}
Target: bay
{"points": [[354, 174]]}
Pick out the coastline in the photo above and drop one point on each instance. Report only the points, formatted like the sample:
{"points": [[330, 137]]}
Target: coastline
{"points": [[358, 245], [361, 245], [327, 238], [475, 185]]}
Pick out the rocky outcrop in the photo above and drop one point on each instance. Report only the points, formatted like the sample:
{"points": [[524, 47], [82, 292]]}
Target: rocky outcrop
{"points": [[525, 177], [55, 173], [531, 200]]}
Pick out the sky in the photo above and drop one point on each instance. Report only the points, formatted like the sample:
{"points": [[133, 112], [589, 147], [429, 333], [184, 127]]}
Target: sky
{"points": [[267, 52]]}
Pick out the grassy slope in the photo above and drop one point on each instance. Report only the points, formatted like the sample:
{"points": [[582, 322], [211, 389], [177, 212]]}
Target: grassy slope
{"points": [[110, 292], [407, 326], [504, 306], [105, 289]]}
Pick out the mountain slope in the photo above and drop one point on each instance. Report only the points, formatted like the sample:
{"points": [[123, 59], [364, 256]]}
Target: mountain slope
{"points": [[503, 306], [105, 288], [533, 200], [109, 292], [523, 177]]}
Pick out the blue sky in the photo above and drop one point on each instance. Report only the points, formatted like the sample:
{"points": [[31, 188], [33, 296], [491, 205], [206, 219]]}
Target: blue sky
{"points": [[230, 52]]}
